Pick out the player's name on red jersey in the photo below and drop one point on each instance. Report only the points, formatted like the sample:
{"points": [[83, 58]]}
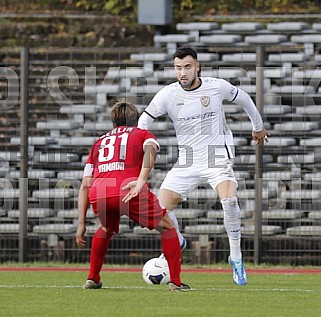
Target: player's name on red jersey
{"points": [[118, 130], [114, 166]]}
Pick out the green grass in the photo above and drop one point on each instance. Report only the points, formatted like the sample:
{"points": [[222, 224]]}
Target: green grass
{"points": [[125, 294]]}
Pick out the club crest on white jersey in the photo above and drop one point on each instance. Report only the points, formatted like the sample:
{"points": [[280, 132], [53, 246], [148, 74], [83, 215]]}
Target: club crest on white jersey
{"points": [[205, 100]]}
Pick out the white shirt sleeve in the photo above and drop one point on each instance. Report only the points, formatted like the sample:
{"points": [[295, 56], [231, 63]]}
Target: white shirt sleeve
{"points": [[151, 141], [145, 120], [240, 97], [246, 102], [88, 170], [156, 108]]}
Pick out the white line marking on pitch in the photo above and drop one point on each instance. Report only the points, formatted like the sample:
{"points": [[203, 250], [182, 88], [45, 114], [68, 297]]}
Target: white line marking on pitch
{"points": [[247, 289], [68, 286], [241, 289]]}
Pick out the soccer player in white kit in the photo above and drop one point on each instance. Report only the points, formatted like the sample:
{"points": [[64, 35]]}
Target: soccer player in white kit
{"points": [[205, 143]]}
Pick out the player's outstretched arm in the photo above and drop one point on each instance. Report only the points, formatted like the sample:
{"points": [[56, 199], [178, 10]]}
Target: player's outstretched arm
{"points": [[259, 134], [245, 101]]}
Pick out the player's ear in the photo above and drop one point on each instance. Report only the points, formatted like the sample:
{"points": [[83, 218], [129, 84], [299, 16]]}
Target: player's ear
{"points": [[198, 69]]}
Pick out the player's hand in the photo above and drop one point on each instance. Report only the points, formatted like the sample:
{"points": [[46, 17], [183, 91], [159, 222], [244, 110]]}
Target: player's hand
{"points": [[260, 137], [80, 234], [134, 189]]}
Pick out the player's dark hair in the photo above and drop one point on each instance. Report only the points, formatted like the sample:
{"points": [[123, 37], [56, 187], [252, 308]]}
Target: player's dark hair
{"points": [[124, 113], [182, 52]]}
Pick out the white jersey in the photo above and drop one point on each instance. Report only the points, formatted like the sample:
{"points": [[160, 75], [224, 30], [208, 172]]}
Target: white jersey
{"points": [[198, 116]]}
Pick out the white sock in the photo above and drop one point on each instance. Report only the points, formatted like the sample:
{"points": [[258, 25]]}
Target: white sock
{"points": [[175, 222], [232, 222], [235, 249]]}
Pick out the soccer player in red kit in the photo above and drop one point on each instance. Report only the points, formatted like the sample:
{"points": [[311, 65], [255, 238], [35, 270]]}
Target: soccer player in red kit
{"points": [[114, 183]]}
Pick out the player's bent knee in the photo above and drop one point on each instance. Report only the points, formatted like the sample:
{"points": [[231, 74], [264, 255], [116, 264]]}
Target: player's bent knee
{"points": [[165, 224]]}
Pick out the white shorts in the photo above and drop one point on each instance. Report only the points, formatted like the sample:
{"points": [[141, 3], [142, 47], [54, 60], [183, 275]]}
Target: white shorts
{"points": [[183, 180]]}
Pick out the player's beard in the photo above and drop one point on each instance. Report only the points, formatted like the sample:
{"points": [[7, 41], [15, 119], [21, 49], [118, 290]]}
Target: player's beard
{"points": [[188, 85]]}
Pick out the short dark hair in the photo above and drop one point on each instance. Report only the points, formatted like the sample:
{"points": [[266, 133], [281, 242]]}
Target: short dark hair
{"points": [[182, 52], [124, 113]]}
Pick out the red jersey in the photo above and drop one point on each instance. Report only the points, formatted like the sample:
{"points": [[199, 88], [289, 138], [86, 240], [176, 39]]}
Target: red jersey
{"points": [[116, 159]]}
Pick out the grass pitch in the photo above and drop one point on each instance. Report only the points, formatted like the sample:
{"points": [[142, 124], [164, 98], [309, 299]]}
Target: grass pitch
{"points": [[57, 293]]}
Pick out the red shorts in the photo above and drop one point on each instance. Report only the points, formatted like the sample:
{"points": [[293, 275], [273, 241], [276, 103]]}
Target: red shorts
{"points": [[143, 209]]}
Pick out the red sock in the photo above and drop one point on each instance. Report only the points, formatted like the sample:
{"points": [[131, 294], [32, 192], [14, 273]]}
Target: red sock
{"points": [[99, 248], [172, 252]]}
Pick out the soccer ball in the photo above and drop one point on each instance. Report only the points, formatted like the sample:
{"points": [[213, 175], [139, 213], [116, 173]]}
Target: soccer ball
{"points": [[156, 271]]}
